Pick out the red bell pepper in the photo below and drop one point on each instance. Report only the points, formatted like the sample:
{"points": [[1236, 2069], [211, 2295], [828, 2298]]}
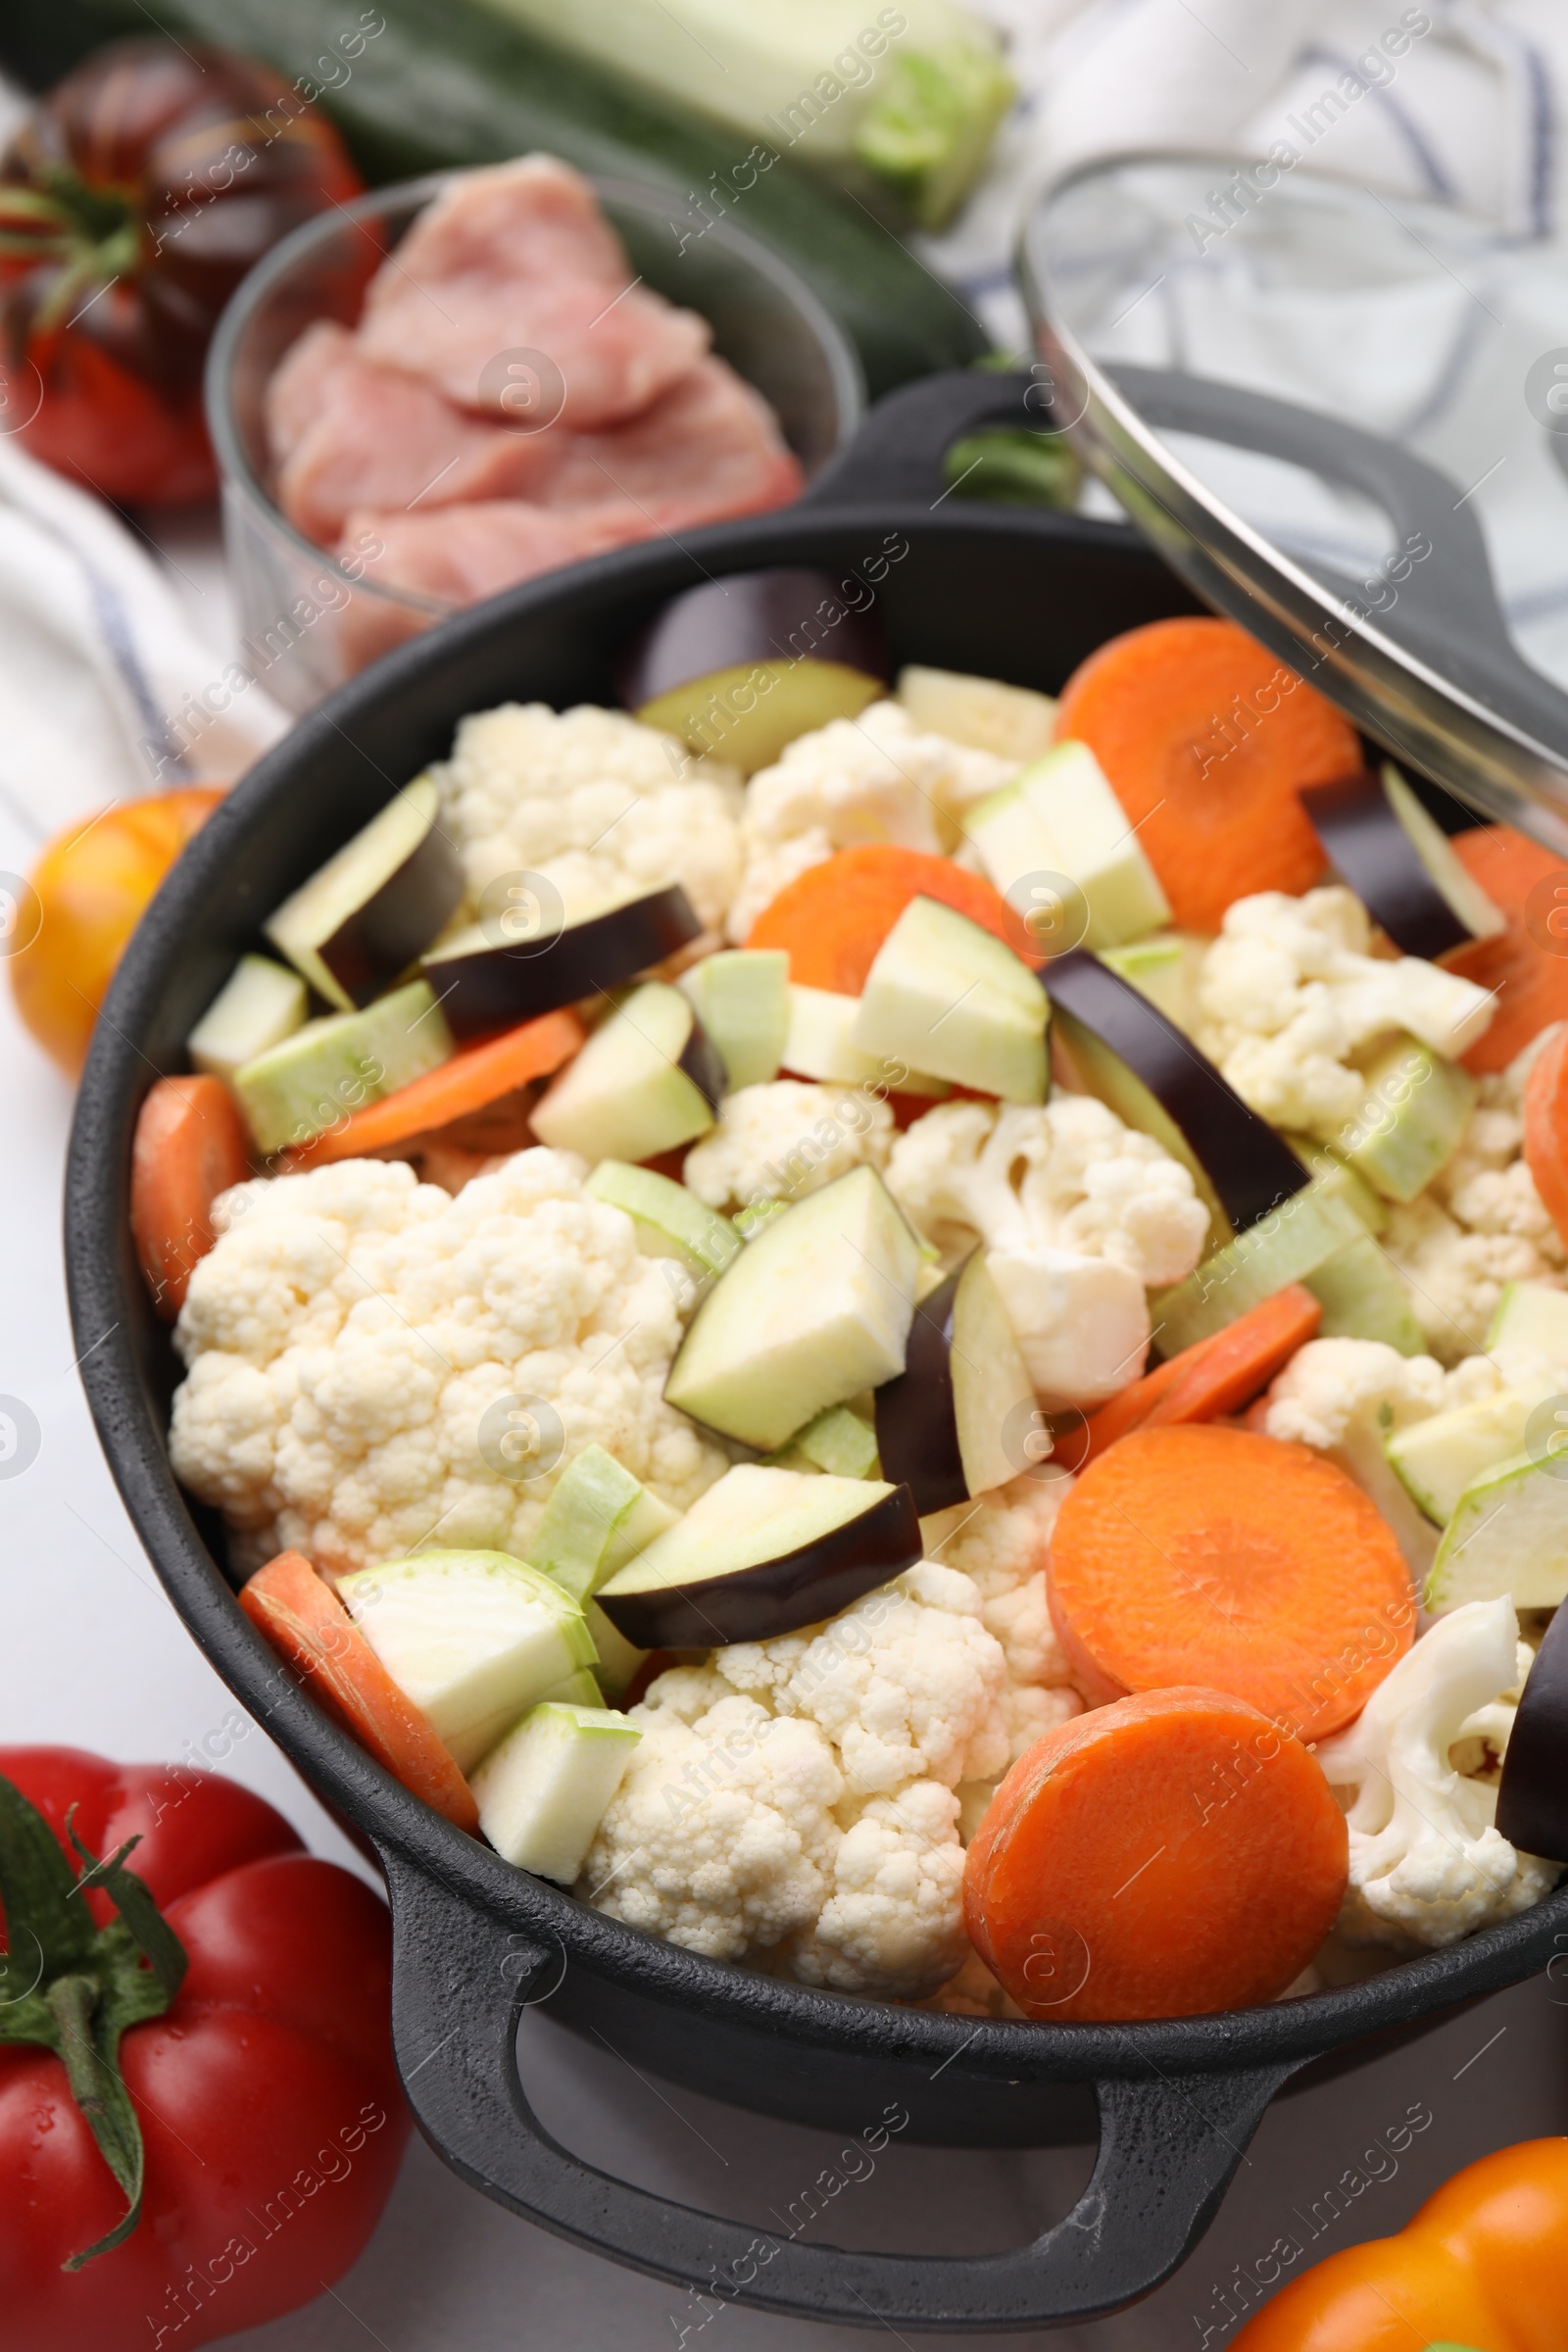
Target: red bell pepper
{"points": [[200, 2118]]}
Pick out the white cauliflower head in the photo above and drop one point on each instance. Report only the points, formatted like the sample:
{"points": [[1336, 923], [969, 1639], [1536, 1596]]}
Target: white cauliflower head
{"points": [[1428, 1864], [1078, 1213], [594, 800], [1480, 1224], [351, 1329], [876, 777], [1288, 991], [782, 1140], [844, 1817]]}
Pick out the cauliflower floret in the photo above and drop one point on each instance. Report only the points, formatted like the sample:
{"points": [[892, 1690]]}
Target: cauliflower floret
{"points": [[594, 800], [1480, 1225], [1078, 1214], [721, 1835], [780, 1140], [876, 777], [808, 1798], [1427, 1862], [894, 1922], [351, 1331], [907, 1683], [1289, 991], [1344, 1396]]}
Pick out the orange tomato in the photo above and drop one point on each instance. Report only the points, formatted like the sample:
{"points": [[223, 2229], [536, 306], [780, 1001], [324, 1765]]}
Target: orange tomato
{"points": [[90, 887]]}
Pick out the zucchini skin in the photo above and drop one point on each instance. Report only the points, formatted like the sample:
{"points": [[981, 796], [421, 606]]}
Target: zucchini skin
{"points": [[449, 84]]}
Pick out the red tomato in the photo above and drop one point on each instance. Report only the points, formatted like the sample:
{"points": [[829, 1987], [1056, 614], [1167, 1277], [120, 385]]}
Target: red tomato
{"points": [[89, 889], [269, 2103], [132, 201]]}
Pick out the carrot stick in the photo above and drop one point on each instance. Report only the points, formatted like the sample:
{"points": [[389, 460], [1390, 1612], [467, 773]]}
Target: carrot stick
{"points": [[1159, 1857], [1546, 1127], [1222, 1374], [470, 1081], [1227, 1559], [311, 1631], [190, 1146], [1211, 1378], [834, 917], [1205, 740], [1526, 966]]}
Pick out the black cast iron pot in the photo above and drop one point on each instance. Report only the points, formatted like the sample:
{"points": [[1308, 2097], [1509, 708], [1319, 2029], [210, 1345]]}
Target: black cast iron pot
{"points": [[1004, 592]]}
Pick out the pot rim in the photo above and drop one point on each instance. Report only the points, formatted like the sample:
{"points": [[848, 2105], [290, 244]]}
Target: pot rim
{"points": [[106, 1301]]}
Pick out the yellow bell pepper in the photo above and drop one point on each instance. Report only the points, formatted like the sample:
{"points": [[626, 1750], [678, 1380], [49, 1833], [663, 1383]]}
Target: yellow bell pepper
{"points": [[1483, 2268]]}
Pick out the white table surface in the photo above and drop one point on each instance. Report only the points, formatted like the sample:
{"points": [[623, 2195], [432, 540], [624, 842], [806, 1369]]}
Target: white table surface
{"points": [[92, 1654]]}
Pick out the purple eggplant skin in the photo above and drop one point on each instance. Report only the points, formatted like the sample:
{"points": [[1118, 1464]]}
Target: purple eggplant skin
{"points": [[779, 1595], [916, 1413], [1374, 855], [1533, 1794], [746, 617], [704, 1064], [1252, 1169], [382, 937], [494, 987]]}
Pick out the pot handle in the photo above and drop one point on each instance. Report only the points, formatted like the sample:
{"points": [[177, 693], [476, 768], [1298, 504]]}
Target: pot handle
{"points": [[895, 456], [461, 1979]]}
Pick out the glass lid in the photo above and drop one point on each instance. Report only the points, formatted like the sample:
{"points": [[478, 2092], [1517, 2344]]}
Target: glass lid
{"points": [[1344, 417]]}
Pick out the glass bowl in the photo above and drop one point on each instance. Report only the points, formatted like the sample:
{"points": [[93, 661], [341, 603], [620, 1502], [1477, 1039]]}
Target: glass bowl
{"points": [[305, 623]]}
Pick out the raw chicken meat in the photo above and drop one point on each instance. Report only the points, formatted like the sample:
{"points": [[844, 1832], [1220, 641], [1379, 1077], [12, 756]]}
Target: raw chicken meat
{"points": [[520, 258], [709, 449], [353, 433], [462, 553]]}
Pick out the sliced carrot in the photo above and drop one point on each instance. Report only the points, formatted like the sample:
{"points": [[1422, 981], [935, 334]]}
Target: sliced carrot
{"points": [[1206, 739], [834, 917], [473, 1082], [1211, 1378], [1160, 1857], [1526, 966], [1132, 1407], [311, 1629], [1227, 1559], [1546, 1127], [190, 1146], [1222, 1374]]}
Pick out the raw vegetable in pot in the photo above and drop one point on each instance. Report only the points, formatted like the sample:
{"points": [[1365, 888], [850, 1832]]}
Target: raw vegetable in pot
{"points": [[742, 998], [1400, 864], [813, 1310], [1532, 1792], [189, 1146], [1211, 1378], [491, 973], [1059, 818], [731, 666], [321, 1074], [473, 1638], [646, 1081], [362, 918], [670, 1221], [597, 1520], [944, 1423], [764, 1551], [1479, 2265], [944, 994], [1524, 970], [1207, 740], [151, 2115], [1125, 1050], [834, 918], [1213, 1556], [1163, 1856], [457, 1095], [543, 1792], [311, 1629], [256, 1009], [1012, 721]]}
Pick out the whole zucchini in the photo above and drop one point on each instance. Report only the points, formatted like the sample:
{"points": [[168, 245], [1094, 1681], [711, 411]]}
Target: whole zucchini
{"points": [[447, 83]]}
